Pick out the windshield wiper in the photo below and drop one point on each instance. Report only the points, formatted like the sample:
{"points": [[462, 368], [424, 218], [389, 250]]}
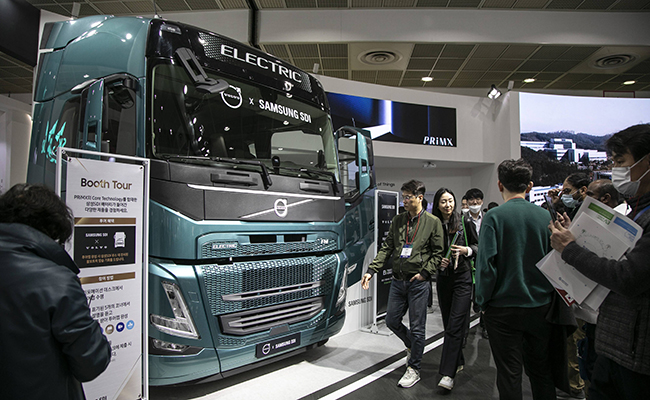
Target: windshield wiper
{"points": [[197, 73], [315, 172], [266, 177]]}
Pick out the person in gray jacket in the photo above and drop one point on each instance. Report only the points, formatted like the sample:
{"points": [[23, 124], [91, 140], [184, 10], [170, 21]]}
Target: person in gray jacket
{"points": [[622, 368], [49, 342]]}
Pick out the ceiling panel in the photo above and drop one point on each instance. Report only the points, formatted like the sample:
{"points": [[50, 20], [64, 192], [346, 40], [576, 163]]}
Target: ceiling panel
{"points": [[450, 64]]}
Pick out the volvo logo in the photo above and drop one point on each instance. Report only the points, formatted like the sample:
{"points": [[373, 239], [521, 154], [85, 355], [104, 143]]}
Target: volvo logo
{"points": [[266, 348], [232, 97], [280, 207], [288, 86]]}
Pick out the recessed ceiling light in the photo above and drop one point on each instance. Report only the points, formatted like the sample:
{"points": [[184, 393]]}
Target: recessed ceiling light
{"points": [[629, 82], [529, 80], [427, 78]]}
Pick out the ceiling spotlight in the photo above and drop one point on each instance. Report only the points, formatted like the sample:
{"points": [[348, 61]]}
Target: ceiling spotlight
{"points": [[427, 78], [629, 82], [494, 93], [529, 80]]}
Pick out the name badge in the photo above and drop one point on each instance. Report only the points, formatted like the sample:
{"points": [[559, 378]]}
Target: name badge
{"points": [[406, 251]]}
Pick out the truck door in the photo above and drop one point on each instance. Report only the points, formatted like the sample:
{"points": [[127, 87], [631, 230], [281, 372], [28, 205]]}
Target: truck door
{"points": [[357, 175]]}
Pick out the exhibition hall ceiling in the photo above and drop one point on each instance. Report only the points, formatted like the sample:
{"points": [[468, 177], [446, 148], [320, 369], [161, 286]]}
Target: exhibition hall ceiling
{"points": [[451, 65]]}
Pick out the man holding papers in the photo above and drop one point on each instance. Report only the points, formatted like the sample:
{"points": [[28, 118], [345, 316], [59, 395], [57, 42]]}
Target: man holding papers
{"points": [[622, 369]]}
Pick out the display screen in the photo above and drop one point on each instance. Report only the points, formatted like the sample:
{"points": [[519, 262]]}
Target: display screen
{"points": [[392, 121], [19, 24]]}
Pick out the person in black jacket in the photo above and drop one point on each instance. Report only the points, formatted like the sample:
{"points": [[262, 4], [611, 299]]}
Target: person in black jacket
{"points": [[622, 368], [454, 282], [49, 342]]}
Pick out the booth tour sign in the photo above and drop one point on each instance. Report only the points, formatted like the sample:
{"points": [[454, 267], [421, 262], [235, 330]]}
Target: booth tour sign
{"points": [[108, 200]]}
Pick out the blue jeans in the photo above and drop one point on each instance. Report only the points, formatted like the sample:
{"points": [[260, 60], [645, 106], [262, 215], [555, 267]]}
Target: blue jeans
{"points": [[411, 296]]}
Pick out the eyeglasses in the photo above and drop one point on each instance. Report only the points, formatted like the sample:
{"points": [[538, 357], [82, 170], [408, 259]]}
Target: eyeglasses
{"points": [[409, 197]]}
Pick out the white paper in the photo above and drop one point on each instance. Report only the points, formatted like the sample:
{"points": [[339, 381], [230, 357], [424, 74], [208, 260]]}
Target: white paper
{"points": [[601, 230]]}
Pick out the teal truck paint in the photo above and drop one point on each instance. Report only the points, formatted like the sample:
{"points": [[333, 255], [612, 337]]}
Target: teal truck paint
{"points": [[261, 214]]}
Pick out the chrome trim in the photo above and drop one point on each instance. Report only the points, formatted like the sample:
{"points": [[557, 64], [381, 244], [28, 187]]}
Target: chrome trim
{"points": [[271, 292], [248, 191], [257, 214]]}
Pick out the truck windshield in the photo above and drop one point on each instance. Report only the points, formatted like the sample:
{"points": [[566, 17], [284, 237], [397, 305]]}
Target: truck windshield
{"points": [[244, 122]]}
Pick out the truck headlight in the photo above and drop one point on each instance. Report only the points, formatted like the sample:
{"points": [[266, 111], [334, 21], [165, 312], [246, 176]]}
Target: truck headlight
{"points": [[182, 324], [343, 289]]}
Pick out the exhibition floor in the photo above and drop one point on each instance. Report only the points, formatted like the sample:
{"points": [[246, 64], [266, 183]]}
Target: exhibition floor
{"points": [[357, 365]]}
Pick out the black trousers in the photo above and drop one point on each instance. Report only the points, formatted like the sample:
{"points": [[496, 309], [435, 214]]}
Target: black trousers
{"points": [[454, 299], [611, 381], [521, 337]]}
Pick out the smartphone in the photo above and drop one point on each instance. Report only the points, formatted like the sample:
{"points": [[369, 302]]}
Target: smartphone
{"points": [[550, 207]]}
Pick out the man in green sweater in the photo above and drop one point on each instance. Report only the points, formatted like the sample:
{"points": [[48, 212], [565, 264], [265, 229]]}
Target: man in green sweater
{"points": [[511, 290], [414, 242]]}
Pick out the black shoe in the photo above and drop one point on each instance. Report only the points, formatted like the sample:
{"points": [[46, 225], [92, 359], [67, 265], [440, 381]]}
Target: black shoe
{"points": [[579, 394], [484, 334]]}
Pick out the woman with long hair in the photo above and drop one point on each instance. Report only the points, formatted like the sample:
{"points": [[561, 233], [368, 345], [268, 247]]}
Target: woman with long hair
{"points": [[454, 282]]}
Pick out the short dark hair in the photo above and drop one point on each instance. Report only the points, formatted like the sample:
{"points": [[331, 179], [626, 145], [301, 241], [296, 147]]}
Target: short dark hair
{"points": [[634, 139], [474, 193], [515, 175], [578, 180], [415, 187], [605, 186], [39, 207], [492, 205]]}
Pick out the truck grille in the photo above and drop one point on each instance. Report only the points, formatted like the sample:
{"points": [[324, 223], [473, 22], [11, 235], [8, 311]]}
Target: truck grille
{"points": [[227, 248], [243, 286], [253, 321]]}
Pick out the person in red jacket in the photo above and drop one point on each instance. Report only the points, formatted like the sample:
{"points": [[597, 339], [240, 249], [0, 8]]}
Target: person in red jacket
{"points": [[49, 342]]}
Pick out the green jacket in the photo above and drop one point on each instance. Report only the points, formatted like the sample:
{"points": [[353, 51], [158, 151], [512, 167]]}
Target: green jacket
{"points": [[427, 246]]}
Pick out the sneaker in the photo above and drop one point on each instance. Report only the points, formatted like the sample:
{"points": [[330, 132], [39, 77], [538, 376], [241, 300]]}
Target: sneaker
{"points": [[446, 382], [410, 378], [408, 356]]}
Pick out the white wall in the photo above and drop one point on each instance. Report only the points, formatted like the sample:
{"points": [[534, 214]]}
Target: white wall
{"points": [[15, 130]]}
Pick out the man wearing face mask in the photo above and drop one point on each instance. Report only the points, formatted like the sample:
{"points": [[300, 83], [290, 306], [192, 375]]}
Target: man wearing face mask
{"points": [[475, 204], [574, 192], [622, 368]]}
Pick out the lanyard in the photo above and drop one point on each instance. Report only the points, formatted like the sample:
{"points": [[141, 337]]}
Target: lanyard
{"points": [[641, 213], [416, 229]]}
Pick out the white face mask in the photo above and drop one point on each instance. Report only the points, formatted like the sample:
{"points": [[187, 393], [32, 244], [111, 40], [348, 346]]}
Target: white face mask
{"points": [[464, 210], [475, 209], [569, 201], [622, 181]]}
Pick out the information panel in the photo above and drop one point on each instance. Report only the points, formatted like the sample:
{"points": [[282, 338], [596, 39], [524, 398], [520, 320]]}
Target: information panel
{"points": [[108, 200], [386, 210]]}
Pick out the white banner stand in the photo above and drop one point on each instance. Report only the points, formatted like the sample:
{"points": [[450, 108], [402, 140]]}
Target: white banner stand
{"points": [[109, 197]]}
